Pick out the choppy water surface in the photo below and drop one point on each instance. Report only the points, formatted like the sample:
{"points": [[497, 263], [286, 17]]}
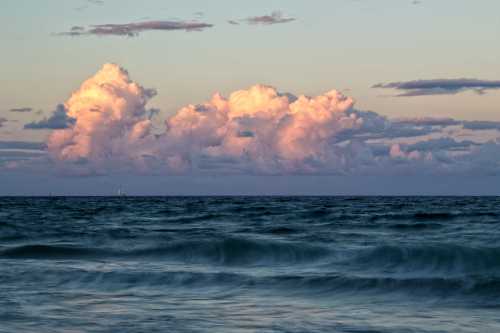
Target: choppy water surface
{"points": [[250, 264]]}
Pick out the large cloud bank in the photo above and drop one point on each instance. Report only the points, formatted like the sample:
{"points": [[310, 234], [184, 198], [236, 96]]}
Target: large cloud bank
{"points": [[258, 131]]}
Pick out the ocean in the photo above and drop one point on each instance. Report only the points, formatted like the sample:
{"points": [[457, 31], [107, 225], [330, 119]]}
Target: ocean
{"points": [[250, 264]]}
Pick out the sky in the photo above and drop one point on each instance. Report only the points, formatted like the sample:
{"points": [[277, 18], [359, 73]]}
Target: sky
{"points": [[250, 97]]}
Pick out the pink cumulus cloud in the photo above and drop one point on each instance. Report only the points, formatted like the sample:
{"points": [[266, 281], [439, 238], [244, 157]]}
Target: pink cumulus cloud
{"points": [[253, 131]]}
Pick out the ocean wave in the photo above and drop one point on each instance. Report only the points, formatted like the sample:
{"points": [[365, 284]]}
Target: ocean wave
{"points": [[417, 216], [38, 251], [415, 226], [426, 286], [435, 216], [282, 230], [326, 284], [235, 251], [439, 258], [229, 251]]}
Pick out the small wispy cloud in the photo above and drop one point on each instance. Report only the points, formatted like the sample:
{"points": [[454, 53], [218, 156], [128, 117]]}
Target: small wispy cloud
{"points": [[134, 29], [439, 86], [481, 125], [275, 17], [58, 120], [24, 109], [22, 145], [426, 121]]}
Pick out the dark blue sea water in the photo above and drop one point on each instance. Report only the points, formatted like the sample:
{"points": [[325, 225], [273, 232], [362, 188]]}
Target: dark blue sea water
{"points": [[250, 264]]}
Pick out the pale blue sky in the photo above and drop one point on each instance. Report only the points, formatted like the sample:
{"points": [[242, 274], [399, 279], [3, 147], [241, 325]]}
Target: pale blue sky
{"points": [[348, 45], [342, 44]]}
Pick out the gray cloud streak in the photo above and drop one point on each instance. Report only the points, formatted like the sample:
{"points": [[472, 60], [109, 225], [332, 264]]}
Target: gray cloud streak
{"points": [[427, 121], [21, 109], [441, 144], [481, 125], [58, 120], [275, 18], [134, 29], [439, 86], [22, 145]]}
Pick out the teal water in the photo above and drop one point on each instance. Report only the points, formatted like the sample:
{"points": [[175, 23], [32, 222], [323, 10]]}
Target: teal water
{"points": [[250, 264]]}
